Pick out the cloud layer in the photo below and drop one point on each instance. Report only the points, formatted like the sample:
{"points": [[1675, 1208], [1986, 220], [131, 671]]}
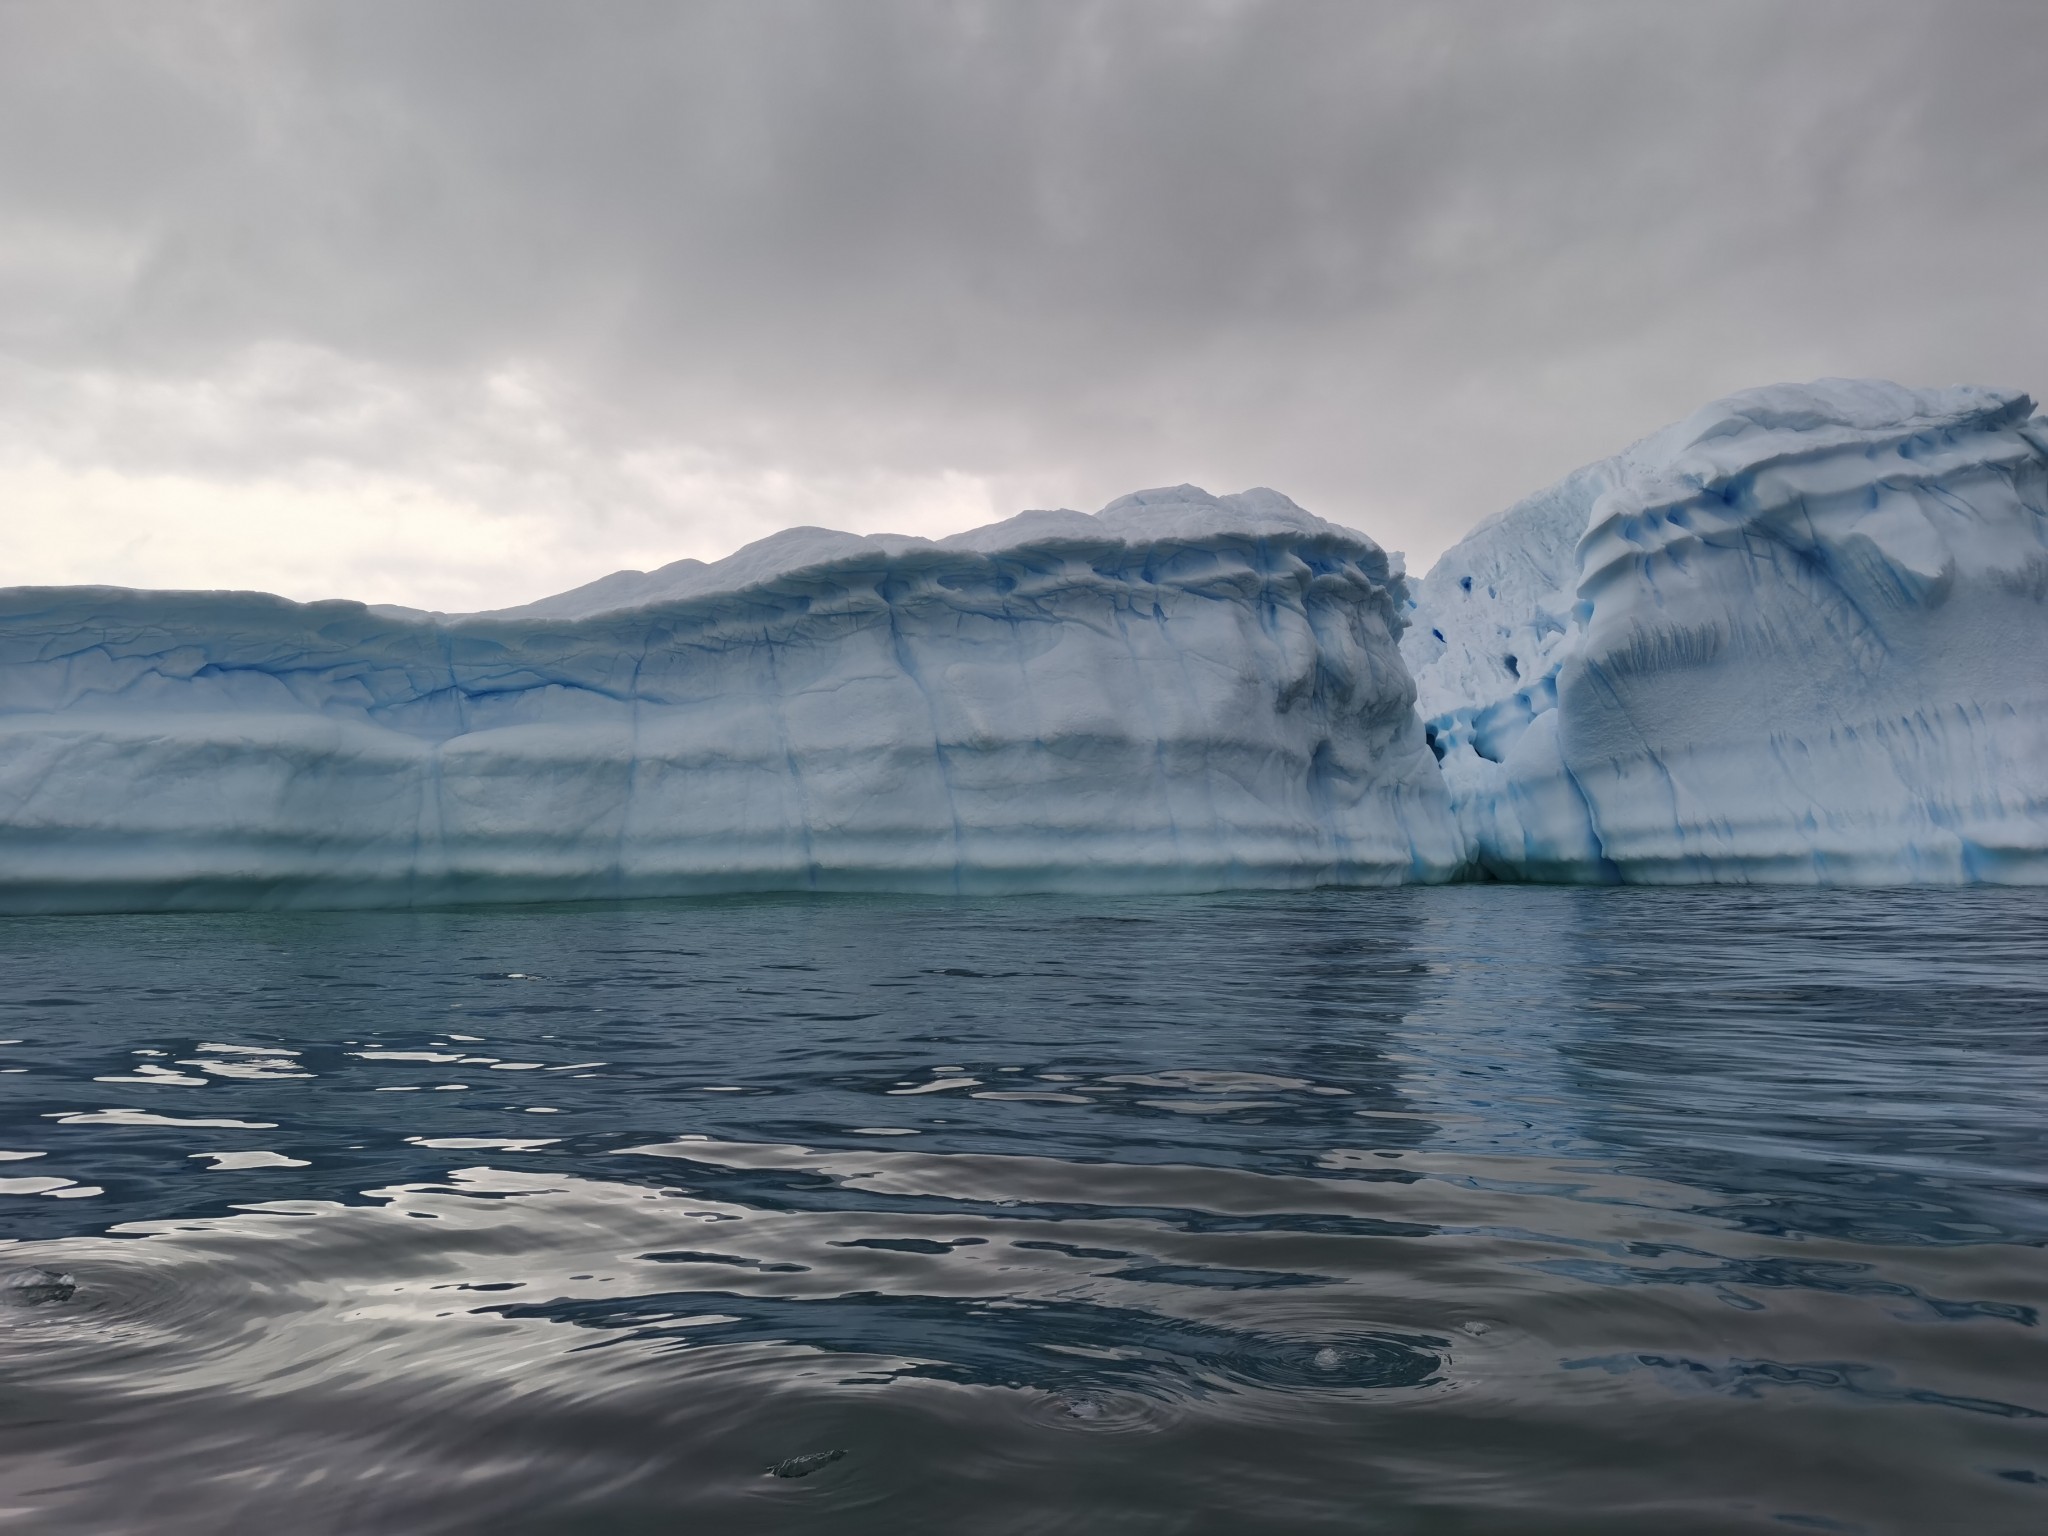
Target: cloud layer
{"points": [[459, 304]]}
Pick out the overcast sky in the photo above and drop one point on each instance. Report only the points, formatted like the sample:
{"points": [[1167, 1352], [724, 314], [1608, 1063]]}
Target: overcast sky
{"points": [[458, 304]]}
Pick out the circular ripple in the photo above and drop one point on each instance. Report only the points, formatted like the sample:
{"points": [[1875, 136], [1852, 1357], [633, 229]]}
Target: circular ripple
{"points": [[1102, 1412], [1357, 1362]]}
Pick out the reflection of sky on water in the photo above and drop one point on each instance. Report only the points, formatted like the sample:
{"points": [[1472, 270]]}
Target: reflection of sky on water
{"points": [[1513, 1157]]}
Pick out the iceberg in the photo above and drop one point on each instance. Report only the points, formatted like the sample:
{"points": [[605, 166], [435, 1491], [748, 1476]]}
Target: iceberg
{"points": [[1801, 636], [1182, 692]]}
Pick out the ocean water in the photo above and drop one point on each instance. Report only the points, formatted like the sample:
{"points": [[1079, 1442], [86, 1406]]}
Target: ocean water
{"points": [[1456, 1210]]}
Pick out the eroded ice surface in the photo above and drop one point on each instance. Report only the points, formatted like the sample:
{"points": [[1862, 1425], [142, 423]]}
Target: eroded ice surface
{"points": [[1183, 692], [1800, 636]]}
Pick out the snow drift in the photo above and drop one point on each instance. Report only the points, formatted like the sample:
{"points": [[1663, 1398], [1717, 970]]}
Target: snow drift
{"points": [[1184, 692], [1800, 636]]}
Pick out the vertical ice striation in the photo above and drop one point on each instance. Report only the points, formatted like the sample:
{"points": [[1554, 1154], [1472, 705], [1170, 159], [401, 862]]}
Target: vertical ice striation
{"points": [[1184, 692], [1800, 636]]}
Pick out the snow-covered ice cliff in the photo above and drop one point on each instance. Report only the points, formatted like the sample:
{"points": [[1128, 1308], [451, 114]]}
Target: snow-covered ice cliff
{"points": [[1183, 692], [1800, 636]]}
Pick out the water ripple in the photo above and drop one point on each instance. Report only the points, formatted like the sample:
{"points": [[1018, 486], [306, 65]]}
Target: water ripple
{"points": [[1477, 1209]]}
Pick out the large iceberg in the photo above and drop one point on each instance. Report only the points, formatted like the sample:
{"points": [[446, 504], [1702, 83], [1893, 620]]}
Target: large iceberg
{"points": [[1182, 692], [1800, 636]]}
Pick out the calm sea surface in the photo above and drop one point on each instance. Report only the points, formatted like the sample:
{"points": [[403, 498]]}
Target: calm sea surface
{"points": [[1471, 1209]]}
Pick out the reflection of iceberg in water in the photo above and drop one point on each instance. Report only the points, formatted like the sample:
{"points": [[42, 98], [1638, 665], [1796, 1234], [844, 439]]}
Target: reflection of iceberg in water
{"points": [[1696, 1041]]}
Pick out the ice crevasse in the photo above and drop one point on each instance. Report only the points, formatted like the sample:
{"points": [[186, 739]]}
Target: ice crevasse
{"points": [[1801, 636], [1182, 692]]}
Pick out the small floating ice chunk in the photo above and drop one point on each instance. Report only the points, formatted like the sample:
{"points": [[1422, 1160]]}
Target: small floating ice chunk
{"points": [[804, 1466], [36, 1287]]}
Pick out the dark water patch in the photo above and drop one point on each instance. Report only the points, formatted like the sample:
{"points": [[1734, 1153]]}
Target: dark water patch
{"points": [[1753, 1378], [738, 1261], [1047, 1346], [1833, 1276], [1071, 1251], [907, 1244], [1219, 1279]]}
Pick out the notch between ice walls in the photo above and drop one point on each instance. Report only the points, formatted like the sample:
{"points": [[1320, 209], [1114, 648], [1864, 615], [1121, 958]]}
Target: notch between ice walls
{"points": [[1797, 637]]}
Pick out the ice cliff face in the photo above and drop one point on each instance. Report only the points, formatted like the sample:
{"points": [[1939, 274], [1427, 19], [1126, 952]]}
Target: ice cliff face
{"points": [[1800, 636], [1184, 692]]}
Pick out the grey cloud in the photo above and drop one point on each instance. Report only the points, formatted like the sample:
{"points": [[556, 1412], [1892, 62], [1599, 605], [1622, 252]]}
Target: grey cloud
{"points": [[1404, 262]]}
